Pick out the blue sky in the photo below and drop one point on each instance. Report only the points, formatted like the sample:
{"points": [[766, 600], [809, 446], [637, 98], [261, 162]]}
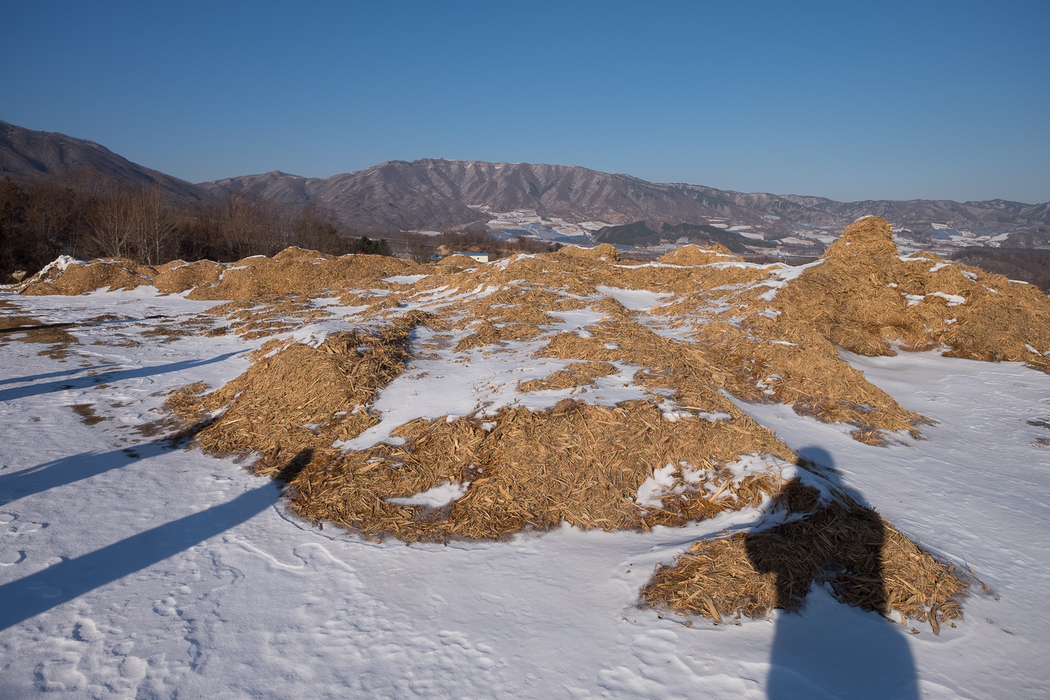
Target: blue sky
{"points": [[887, 100]]}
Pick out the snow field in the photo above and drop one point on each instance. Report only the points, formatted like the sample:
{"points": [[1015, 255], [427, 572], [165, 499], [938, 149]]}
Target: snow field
{"points": [[133, 568]]}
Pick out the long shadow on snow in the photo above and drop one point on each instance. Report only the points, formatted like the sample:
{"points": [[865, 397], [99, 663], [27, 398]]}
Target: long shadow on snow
{"points": [[831, 650], [37, 327], [68, 470], [49, 375], [61, 583], [79, 324], [21, 392]]}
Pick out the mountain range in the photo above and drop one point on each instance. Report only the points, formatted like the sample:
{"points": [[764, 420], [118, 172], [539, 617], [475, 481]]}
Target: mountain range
{"points": [[440, 194], [25, 154]]}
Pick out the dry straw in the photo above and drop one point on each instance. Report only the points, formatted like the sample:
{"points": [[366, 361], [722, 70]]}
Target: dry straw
{"points": [[864, 560], [575, 463], [575, 375], [759, 332], [691, 255], [289, 272], [80, 278], [865, 297], [302, 398]]}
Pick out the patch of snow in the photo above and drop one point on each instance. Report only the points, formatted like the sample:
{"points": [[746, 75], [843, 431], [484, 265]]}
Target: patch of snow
{"points": [[787, 273], [482, 381], [435, 293], [635, 299], [673, 415], [917, 256], [752, 235], [505, 262], [579, 318], [404, 279], [60, 263], [952, 299], [772, 293], [310, 336], [657, 485], [434, 497]]}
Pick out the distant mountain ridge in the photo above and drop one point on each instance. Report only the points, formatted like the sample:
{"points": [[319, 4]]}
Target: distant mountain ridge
{"points": [[441, 194], [437, 193], [25, 154]]}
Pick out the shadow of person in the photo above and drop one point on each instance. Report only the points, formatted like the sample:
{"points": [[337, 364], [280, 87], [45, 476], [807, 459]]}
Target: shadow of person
{"points": [[107, 377], [50, 375], [822, 556], [72, 578], [74, 468]]}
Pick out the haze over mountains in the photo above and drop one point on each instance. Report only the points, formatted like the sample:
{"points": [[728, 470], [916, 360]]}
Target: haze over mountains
{"points": [[439, 194]]}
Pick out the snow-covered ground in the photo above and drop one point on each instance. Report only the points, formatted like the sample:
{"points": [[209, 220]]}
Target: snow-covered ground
{"points": [[131, 567], [531, 223]]}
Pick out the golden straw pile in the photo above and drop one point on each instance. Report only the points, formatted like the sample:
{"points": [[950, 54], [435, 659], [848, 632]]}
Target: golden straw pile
{"points": [[695, 326], [865, 297], [864, 560]]}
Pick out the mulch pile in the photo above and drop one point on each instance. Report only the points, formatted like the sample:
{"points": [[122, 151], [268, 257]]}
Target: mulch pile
{"points": [[293, 271], [718, 324], [863, 559], [867, 298]]}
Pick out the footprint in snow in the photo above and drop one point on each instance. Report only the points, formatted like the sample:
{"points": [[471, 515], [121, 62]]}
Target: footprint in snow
{"points": [[10, 557]]}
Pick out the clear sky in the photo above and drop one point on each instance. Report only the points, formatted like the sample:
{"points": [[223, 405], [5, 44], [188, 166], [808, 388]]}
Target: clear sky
{"points": [[847, 100]]}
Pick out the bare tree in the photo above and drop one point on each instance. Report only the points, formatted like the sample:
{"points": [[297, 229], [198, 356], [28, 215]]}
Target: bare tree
{"points": [[251, 226], [133, 223], [315, 229], [414, 246], [110, 220], [153, 226]]}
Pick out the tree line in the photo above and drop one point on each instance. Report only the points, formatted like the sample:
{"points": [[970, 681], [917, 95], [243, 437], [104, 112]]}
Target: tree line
{"points": [[84, 215]]}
